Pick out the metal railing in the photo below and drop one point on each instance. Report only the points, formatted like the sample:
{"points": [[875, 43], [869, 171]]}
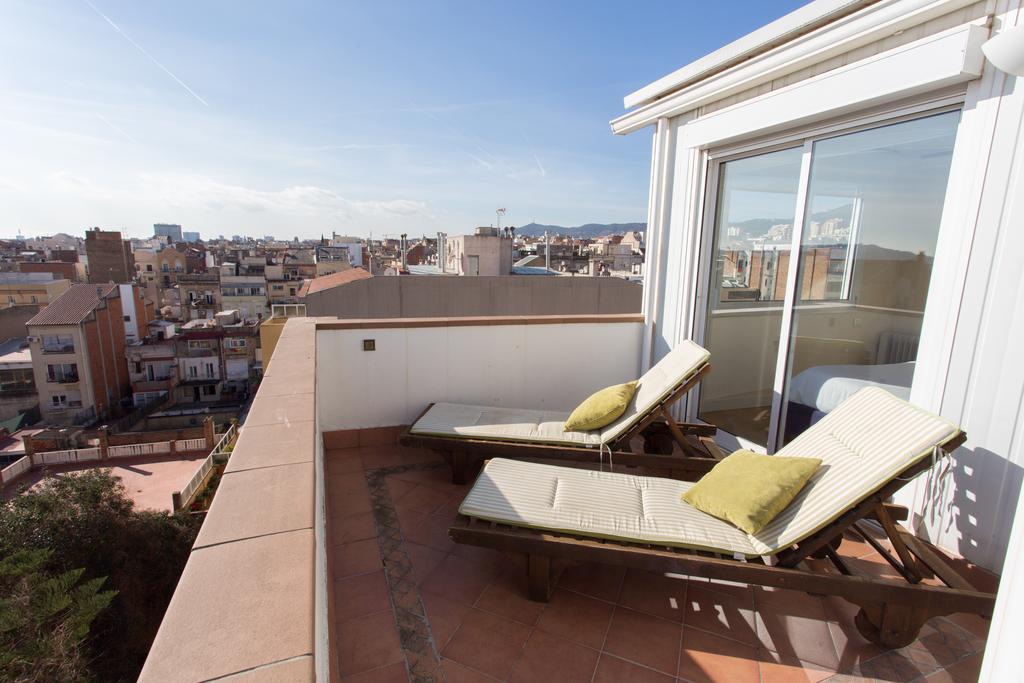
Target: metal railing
{"points": [[220, 454], [134, 449], [189, 445], [68, 456]]}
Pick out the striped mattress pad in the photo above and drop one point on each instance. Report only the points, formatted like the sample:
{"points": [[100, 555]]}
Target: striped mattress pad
{"points": [[863, 444]]}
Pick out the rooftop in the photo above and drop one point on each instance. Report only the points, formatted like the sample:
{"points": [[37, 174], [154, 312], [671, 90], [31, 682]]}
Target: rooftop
{"points": [[333, 280], [74, 305]]}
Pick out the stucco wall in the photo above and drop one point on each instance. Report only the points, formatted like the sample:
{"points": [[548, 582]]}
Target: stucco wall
{"points": [[443, 296], [540, 366]]}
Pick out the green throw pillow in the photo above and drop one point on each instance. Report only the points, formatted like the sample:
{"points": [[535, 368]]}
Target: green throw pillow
{"points": [[601, 408], [749, 490]]}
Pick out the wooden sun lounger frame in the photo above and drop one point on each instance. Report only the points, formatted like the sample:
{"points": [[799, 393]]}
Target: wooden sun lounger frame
{"points": [[695, 440], [891, 611]]}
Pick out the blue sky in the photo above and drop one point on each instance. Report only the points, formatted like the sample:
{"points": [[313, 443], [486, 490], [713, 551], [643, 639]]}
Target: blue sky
{"points": [[306, 117]]}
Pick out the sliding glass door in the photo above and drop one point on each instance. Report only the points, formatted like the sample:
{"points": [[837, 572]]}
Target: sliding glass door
{"points": [[755, 211], [791, 340]]}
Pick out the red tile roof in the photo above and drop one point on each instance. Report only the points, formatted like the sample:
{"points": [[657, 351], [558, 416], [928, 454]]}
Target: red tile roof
{"points": [[73, 306], [333, 280]]}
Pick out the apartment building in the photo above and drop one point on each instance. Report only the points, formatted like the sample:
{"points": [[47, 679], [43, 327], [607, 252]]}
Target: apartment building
{"points": [[170, 263], [172, 231], [199, 295], [77, 345], [17, 289], [109, 258], [17, 383], [152, 368], [246, 294], [485, 252], [200, 365]]}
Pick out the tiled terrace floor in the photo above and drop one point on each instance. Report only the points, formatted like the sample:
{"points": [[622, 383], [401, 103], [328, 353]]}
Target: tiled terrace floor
{"points": [[438, 610]]}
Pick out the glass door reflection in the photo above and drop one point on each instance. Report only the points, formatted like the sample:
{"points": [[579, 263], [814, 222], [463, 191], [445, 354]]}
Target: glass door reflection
{"points": [[756, 202], [867, 245]]}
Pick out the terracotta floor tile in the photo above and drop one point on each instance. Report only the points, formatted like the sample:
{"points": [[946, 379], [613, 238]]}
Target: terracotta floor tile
{"points": [[352, 528], [979, 626], [459, 579], [724, 615], [456, 673], [614, 670], [424, 560], [409, 519], [362, 594], [894, 666], [357, 557], [706, 657], [393, 673], [422, 499], [550, 658], [343, 462], [783, 669], [416, 456], [576, 617], [600, 581], [852, 649], [349, 503], [368, 642], [432, 532], [345, 483], [445, 617], [798, 630], [450, 508], [376, 457], [478, 554], [644, 639], [398, 487], [654, 593], [965, 671], [507, 596], [488, 643]]}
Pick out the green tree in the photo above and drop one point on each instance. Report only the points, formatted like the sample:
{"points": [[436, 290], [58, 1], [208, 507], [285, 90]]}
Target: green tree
{"points": [[87, 521], [44, 618]]}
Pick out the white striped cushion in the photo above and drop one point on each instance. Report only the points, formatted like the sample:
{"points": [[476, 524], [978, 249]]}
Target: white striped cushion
{"points": [[656, 384], [506, 424], [863, 444], [545, 426], [600, 504]]}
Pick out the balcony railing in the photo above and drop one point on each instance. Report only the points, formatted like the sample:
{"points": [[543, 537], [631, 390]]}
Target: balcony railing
{"points": [[65, 379], [59, 348]]}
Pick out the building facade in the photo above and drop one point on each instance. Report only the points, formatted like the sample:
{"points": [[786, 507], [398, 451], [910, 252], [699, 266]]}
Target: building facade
{"points": [[109, 258]]}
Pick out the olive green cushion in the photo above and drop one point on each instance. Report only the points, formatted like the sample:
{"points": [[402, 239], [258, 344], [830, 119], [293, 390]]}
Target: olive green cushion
{"points": [[748, 489], [601, 408]]}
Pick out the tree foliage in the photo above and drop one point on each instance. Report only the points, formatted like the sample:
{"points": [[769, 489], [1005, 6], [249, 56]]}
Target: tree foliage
{"points": [[44, 618], [86, 521]]}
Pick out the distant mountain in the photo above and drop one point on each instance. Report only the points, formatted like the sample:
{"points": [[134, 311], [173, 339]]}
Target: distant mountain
{"points": [[590, 230]]}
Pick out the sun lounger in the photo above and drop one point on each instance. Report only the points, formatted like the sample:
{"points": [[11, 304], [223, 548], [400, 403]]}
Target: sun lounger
{"points": [[470, 432], [870, 446]]}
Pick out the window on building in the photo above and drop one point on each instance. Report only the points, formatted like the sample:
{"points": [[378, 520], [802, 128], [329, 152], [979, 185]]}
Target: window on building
{"points": [[209, 370], [164, 268], [10, 298], [209, 390], [58, 344], [193, 372], [127, 318], [59, 401], [234, 343], [35, 299], [62, 373], [149, 267]]}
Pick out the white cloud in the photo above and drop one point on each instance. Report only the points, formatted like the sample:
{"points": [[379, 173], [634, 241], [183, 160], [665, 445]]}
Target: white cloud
{"points": [[186, 191]]}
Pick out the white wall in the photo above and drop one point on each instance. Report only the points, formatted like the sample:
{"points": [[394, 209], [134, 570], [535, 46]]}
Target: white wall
{"points": [[551, 367]]}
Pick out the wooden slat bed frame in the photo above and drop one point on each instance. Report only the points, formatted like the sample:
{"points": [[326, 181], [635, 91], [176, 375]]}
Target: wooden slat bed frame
{"points": [[891, 611], [699, 449]]}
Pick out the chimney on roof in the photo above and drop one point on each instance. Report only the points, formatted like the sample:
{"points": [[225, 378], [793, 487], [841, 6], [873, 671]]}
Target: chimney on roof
{"points": [[405, 256]]}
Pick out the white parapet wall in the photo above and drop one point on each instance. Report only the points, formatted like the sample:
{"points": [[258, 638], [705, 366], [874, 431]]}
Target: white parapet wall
{"points": [[541, 364]]}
